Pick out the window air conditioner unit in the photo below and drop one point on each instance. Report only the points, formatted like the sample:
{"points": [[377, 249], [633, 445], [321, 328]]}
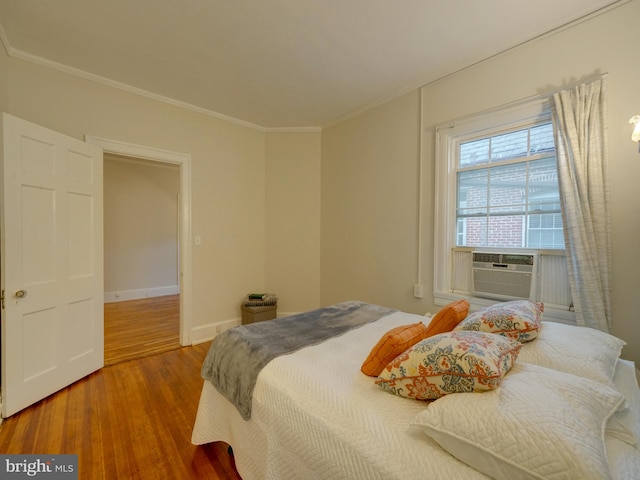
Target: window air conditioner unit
{"points": [[503, 276]]}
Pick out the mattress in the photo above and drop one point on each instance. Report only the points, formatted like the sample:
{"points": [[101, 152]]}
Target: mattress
{"points": [[316, 416]]}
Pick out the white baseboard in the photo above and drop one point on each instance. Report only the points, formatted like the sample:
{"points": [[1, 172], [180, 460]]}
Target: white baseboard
{"points": [[123, 295], [208, 332]]}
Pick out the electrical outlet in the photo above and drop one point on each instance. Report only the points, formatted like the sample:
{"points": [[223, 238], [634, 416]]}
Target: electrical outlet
{"points": [[418, 291], [218, 328]]}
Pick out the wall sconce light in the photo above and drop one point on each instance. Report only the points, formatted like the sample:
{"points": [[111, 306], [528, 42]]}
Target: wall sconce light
{"points": [[635, 136]]}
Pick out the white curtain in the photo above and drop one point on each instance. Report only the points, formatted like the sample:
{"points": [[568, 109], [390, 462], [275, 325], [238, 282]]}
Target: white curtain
{"points": [[579, 117]]}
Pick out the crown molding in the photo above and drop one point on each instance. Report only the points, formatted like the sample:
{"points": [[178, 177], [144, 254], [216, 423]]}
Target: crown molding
{"points": [[27, 57], [293, 129]]}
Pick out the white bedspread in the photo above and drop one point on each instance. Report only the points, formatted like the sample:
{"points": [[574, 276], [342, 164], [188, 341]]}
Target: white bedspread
{"points": [[316, 416]]}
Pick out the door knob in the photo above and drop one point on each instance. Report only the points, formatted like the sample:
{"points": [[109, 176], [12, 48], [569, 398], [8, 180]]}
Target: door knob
{"points": [[21, 294]]}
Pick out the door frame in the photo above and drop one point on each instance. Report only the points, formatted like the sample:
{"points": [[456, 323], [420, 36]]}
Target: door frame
{"points": [[183, 160]]}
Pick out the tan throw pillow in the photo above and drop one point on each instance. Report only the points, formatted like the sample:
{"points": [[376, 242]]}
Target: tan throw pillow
{"points": [[447, 318], [392, 344]]}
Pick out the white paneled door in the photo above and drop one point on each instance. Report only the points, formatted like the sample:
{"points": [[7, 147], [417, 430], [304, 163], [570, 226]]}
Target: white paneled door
{"points": [[51, 257]]}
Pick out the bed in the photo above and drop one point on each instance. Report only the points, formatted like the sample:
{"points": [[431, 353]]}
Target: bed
{"points": [[568, 407]]}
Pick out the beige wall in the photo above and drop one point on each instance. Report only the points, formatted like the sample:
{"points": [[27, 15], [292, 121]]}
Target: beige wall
{"points": [[293, 220], [227, 166], [240, 177], [140, 228], [370, 206], [376, 152], [4, 79]]}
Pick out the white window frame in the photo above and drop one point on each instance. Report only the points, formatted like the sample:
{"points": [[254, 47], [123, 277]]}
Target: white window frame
{"points": [[522, 114]]}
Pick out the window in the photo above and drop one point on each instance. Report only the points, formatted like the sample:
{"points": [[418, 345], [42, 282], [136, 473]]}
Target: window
{"points": [[497, 191], [507, 190]]}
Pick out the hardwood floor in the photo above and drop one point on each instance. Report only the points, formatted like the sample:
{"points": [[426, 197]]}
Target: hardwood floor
{"points": [[135, 328], [132, 420]]}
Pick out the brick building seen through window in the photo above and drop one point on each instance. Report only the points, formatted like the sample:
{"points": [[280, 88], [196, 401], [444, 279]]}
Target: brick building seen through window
{"points": [[507, 191]]}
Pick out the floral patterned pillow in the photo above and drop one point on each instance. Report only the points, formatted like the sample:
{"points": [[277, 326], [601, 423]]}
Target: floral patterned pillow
{"points": [[519, 319], [453, 362]]}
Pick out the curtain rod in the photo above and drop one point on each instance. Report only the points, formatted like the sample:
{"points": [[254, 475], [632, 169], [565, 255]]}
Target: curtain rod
{"points": [[538, 96], [584, 80]]}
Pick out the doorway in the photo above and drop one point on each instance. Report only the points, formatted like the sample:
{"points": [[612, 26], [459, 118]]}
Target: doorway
{"points": [[141, 261], [183, 162]]}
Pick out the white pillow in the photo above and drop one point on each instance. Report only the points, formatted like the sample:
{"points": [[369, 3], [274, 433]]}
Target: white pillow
{"points": [[582, 351], [540, 423], [619, 426]]}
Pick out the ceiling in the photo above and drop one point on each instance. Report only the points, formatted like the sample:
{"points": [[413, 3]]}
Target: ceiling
{"points": [[276, 64]]}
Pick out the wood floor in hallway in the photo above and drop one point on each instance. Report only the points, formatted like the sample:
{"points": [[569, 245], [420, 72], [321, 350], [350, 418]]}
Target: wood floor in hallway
{"points": [[137, 328]]}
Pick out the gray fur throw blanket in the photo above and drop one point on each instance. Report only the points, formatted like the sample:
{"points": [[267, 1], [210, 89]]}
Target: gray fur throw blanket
{"points": [[237, 355]]}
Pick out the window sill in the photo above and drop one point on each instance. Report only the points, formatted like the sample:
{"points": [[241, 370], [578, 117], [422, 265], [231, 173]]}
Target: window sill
{"points": [[552, 313]]}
